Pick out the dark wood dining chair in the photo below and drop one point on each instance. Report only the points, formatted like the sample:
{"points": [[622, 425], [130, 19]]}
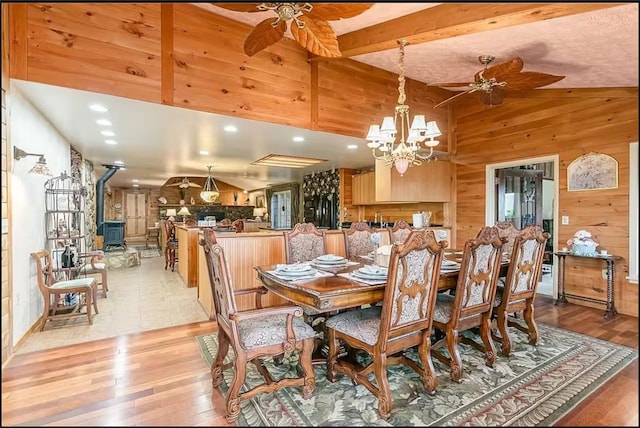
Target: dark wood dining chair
{"points": [[171, 246], [472, 303], [52, 290], [238, 226], [404, 320], [304, 243], [400, 231], [357, 240], [519, 292], [253, 334]]}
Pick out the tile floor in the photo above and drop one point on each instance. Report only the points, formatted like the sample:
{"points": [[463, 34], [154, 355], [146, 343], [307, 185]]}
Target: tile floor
{"points": [[140, 298]]}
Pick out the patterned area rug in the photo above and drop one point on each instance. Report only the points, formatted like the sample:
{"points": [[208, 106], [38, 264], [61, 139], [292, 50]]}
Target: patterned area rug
{"points": [[534, 386], [152, 251]]}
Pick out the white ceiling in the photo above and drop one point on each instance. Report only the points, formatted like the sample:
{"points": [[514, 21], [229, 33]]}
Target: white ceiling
{"points": [[594, 49]]}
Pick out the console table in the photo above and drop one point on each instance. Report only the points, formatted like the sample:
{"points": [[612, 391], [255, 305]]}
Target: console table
{"points": [[609, 302]]}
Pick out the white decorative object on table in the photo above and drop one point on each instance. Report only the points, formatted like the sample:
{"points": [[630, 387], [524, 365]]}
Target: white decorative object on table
{"points": [[582, 244]]}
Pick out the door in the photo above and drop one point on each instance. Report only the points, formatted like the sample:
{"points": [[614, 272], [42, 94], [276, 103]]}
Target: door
{"points": [[520, 196], [136, 214]]}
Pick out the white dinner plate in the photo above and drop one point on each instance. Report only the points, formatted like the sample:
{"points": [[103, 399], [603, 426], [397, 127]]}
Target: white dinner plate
{"points": [[330, 262], [294, 273], [330, 258], [374, 270], [362, 275], [295, 267]]}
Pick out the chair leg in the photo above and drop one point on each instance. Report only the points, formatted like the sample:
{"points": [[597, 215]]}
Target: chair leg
{"points": [[166, 257], [88, 296], [455, 373], [504, 334], [485, 335], [428, 372], [307, 367], [384, 393], [334, 348], [216, 367], [531, 323], [105, 284], [94, 290], [45, 314], [233, 399]]}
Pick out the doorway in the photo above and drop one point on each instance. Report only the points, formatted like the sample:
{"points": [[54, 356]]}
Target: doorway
{"points": [[135, 214], [525, 192]]}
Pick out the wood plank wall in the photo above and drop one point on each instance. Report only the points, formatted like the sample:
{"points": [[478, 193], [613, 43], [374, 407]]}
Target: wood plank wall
{"points": [[121, 49], [568, 123]]}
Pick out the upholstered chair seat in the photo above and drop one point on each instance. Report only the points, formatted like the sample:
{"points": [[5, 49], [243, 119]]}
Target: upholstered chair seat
{"points": [[270, 330], [362, 324]]}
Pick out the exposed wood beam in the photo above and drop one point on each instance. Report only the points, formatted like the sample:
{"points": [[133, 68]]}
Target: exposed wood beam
{"points": [[18, 44], [454, 19], [166, 47]]}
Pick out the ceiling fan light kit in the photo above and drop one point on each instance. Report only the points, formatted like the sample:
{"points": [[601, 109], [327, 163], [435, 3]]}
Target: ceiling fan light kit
{"points": [[382, 138]]}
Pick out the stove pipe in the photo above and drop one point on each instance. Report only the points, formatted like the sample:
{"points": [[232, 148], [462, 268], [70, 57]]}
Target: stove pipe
{"points": [[111, 169]]}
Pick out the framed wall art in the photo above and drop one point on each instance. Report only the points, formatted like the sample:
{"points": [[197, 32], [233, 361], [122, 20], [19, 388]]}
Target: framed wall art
{"points": [[260, 201], [592, 171]]}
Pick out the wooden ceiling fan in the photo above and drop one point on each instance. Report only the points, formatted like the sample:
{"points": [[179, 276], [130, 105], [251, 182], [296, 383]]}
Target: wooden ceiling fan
{"points": [[184, 184], [492, 82], [311, 28]]}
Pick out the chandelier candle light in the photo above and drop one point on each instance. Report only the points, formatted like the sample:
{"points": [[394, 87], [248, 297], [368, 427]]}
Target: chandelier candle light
{"points": [[403, 154]]}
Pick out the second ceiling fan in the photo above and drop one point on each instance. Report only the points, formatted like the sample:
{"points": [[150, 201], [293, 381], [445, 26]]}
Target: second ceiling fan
{"points": [[492, 82]]}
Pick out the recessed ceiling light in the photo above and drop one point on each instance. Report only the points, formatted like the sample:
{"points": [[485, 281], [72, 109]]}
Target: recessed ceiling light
{"points": [[118, 162], [107, 133], [204, 152], [98, 107], [136, 185], [298, 139], [135, 180], [352, 146], [111, 141], [103, 122], [230, 128]]}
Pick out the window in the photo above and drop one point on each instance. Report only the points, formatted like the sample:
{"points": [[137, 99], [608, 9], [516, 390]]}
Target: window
{"points": [[633, 212]]}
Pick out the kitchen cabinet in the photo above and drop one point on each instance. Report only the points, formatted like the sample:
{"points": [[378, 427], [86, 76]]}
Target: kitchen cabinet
{"points": [[363, 191], [430, 182]]}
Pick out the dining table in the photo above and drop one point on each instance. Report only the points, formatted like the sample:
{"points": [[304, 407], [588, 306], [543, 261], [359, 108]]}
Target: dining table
{"points": [[333, 292]]}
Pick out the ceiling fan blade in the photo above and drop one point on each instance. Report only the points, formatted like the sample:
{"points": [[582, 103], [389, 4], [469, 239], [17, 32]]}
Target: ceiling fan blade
{"points": [[530, 80], [452, 84], [263, 36], [194, 184], [335, 11], [448, 100], [317, 37], [492, 98], [239, 7], [501, 71]]}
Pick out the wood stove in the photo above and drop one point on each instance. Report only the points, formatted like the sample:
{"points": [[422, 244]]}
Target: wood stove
{"points": [[113, 232]]}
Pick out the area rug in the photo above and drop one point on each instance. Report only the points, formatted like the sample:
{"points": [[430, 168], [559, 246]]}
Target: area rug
{"points": [[145, 252], [536, 385]]}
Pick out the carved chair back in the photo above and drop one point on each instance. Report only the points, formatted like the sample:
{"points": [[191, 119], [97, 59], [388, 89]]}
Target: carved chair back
{"points": [[479, 271], [304, 243], [507, 230], [238, 225], [410, 295], [357, 240], [400, 231], [170, 229]]}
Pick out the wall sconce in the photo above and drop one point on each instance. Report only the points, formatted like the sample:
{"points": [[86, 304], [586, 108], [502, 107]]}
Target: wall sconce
{"points": [[40, 168]]}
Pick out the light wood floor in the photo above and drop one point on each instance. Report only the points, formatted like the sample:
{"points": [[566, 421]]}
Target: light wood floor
{"points": [[158, 378]]}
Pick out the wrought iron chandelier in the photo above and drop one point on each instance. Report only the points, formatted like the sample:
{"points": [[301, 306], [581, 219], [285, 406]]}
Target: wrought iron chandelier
{"points": [[382, 138], [210, 192]]}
